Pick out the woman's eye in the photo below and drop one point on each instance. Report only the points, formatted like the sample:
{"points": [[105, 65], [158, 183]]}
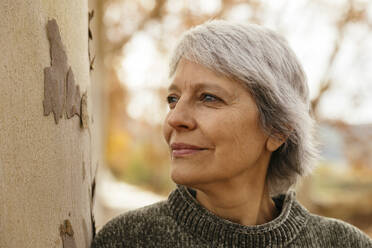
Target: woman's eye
{"points": [[209, 98], [172, 100]]}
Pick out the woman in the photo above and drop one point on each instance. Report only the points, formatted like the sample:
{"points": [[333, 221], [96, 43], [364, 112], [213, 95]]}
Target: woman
{"points": [[240, 135]]}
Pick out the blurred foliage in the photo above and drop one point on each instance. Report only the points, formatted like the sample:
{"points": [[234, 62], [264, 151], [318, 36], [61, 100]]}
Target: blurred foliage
{"points": [[342, 193], [138, 160]]}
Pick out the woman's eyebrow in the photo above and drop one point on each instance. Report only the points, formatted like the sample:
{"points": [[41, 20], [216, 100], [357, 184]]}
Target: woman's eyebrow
{"points": [[207, 86], [201, 86]]}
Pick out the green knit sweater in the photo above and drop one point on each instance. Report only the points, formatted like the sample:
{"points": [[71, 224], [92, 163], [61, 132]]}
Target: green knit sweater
{"points": [[182, 222]]}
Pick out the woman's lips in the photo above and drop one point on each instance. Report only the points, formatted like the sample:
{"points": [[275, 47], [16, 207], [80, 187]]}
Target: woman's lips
{"points": [[183, 149], [183, 152]]}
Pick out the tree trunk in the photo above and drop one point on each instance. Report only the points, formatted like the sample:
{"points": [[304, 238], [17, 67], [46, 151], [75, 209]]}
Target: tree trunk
{"points": [[48, 149]]}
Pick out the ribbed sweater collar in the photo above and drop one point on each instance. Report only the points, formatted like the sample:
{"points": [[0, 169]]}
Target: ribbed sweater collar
{"points": [[214, 230]]}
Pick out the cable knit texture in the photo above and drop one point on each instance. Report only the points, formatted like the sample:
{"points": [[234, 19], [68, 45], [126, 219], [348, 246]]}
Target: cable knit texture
{"points": [[182, 222]]}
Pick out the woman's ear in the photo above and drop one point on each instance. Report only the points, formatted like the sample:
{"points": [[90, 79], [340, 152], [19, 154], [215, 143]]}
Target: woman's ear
{"points": [[275, 141]]}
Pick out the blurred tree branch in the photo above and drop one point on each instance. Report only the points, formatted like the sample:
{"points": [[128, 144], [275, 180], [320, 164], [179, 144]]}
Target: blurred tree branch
{"points": [[353, 14], [155, 14]]}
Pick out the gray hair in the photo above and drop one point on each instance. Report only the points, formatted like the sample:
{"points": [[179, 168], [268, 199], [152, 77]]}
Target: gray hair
{"points": [[263, 62]]}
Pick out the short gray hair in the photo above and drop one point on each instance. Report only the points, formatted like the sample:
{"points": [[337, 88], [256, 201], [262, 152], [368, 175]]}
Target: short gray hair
{"points": [[263, 61]]}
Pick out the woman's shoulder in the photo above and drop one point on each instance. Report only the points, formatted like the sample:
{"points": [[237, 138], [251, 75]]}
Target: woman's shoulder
{"points": [[336, 230], [332, 224], [132, 224]]}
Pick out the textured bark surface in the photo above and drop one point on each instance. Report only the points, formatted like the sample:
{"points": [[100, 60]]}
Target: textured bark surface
{"points": [[46, 170], [99, 89]]}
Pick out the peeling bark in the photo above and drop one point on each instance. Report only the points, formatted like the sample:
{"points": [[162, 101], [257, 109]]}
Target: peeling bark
{"points": [[93, 192], [67, 235], [90, 37], [55, 75], [72, 96], [84, 117], [60, 91], [83, 172]]}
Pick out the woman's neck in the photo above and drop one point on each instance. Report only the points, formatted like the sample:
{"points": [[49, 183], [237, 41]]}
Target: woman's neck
{"points": [[249, 205]]}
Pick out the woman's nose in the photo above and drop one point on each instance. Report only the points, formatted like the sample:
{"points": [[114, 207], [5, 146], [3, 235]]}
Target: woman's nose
{"points": [[181, 117]]}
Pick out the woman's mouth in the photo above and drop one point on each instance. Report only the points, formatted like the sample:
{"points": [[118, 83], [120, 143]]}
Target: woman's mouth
{"points": [[183, 152], [183, 149]]}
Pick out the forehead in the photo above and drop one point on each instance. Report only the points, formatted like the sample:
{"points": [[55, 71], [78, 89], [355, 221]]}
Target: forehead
{"points": [[192, 75]]}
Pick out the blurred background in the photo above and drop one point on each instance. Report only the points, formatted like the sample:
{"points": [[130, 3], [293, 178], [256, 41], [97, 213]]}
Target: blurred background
{"points": [[333, 41]]}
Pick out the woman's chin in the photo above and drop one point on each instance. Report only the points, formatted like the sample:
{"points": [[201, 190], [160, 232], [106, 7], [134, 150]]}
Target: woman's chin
{"points": [[184, 178], [179, 178]]}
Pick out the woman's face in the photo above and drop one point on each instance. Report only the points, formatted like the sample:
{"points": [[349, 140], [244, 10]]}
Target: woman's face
{"points": [[212, 128]]}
